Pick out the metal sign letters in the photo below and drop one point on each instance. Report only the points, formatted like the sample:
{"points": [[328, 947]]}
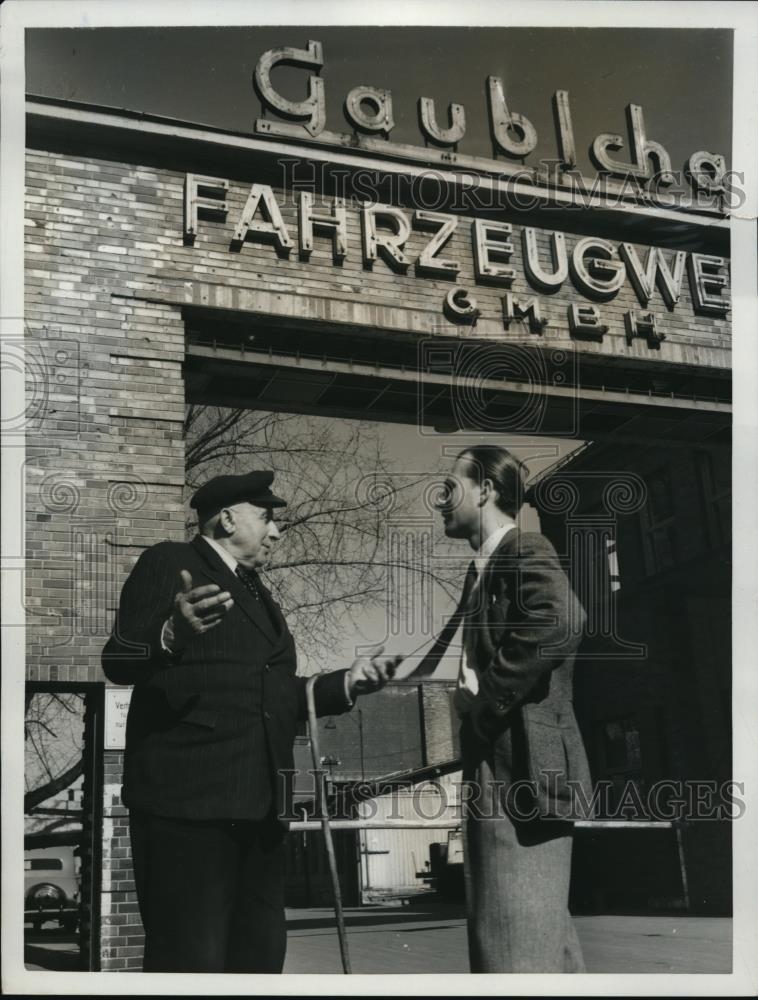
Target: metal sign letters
{"points": [[633, 158]]}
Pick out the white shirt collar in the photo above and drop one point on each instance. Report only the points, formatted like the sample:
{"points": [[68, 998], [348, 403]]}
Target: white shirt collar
{"points": [[228, 558], [489, 545]]}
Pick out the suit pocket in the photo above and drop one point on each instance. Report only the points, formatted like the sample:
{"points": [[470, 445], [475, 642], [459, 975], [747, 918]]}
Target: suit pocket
{"points": [[204, 717], [547, 759]]}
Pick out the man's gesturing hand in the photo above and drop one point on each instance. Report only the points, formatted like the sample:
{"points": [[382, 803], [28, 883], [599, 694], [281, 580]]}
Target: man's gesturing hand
{"points": [[370, 673], [196, 610]]}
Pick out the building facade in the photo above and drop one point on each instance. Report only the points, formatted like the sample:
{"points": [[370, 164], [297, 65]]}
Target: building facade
{"points": [[167, 264], [654, 700]]}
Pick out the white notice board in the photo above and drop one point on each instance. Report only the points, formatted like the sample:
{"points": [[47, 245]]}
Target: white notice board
{"points": [[116, 706]]}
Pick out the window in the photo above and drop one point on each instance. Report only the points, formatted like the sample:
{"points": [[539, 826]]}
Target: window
{"points": [[43, 865], [620, 756], [658, 528], [716, 491], [622, 746]]}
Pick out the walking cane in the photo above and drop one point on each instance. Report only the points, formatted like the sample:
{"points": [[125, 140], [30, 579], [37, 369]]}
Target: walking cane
{"points": [[325, 825], [428, 664]]}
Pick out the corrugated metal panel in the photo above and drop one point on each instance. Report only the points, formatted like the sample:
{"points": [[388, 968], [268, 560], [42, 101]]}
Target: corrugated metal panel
{"points": [[391, 858]]}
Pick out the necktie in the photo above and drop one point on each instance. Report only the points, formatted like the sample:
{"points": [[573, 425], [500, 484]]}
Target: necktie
{"points": [[468, 679], [249, 579], [252, 584], [431, 660]]}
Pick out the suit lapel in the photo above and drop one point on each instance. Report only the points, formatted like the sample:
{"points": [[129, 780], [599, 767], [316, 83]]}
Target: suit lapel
{"points": [[272, 609], [476, 611], [503, 552], [471, 595], [218, 572]]}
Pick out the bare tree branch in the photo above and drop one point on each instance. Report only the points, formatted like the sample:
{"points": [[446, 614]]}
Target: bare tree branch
{"points": [[335, 561], [44, 792]]}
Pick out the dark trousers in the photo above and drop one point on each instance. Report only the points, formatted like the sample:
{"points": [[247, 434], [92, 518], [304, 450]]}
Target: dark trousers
{"points": [[211, 894]]}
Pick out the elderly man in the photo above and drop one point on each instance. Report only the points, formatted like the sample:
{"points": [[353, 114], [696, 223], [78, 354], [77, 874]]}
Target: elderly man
{"points": [[211, 728]]}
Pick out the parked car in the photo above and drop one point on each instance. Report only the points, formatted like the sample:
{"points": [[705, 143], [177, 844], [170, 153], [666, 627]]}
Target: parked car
{"points": [[51, 887]]}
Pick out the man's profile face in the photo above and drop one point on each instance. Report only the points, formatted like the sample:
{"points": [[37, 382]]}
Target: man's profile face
{"points": [[253, 534], [459, 503]]}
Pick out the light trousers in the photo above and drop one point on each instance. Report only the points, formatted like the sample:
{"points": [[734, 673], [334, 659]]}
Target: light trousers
{"points": [[517, 884]]}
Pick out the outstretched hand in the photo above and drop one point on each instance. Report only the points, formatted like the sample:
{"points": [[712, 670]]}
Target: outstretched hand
{"points": [[370, 673], [196, 610]]}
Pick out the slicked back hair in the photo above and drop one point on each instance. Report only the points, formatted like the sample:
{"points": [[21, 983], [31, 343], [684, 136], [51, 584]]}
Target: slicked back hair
{"points": [[506, 473]]}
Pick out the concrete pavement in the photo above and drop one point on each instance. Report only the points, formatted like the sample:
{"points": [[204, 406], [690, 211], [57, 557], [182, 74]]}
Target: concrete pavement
{"points": [[431, 937], [428, 936]]}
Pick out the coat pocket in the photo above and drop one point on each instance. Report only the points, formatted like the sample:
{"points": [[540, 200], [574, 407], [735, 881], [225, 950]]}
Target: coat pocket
{"points": [[205, 717], [548, 760]]}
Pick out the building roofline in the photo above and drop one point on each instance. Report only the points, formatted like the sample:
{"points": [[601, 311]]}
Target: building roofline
{"points": [[128, 113], [559, 463], [114, 131]]}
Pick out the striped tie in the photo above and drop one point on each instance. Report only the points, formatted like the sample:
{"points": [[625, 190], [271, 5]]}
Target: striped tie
{"points": [[249, 579]]}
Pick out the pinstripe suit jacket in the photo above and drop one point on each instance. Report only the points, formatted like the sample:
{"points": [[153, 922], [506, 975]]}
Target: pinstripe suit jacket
{"points": [[209, 731], [523, 625]]}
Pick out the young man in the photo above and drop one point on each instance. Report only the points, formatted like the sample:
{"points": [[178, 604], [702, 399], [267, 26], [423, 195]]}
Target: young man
{"points": [[520, 742], [211, 726]]}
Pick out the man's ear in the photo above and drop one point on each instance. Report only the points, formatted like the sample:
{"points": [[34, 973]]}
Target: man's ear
{"points": [[486, 490], [226, 520]]}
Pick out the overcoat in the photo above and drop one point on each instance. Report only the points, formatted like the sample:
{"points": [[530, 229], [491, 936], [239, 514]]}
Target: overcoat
{"points": [[210, 732], [522, 627]]}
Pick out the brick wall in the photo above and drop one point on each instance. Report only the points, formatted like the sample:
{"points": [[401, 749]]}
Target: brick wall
{"points": [[389, 729], [122, 936], [107, 276], [402, 727], [105, 449], [440, 723]]}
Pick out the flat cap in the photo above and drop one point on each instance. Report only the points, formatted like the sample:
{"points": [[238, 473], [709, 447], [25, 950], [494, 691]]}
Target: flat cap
{"points": [[223, 491]]}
